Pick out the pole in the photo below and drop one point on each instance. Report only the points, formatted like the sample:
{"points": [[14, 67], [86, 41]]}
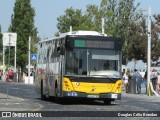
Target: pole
{"points": [[102, 25], [15, 67], [8, 62], [87, 63], [15, 58], [9, 55], [70, 29], [29, 60], [149, 92], [3, 62]]}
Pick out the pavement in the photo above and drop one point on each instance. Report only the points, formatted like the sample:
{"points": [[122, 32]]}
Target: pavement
{"points": [[143, 91], [13, 100]]}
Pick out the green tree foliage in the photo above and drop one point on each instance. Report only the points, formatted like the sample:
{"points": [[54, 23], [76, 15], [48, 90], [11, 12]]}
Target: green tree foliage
{"points": [[93, 18], [122, 16], [137, 48], [22, 23], [155, 40], [72, 18]]}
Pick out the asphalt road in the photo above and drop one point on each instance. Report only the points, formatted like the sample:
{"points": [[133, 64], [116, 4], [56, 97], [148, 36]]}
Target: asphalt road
{"points": [[22, 97]]}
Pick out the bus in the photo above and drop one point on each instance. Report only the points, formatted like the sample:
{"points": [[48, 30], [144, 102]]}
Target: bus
{"points": [[80, 64]]}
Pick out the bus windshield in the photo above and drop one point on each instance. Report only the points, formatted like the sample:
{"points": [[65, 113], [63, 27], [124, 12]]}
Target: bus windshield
{"points": [[81, 61]]}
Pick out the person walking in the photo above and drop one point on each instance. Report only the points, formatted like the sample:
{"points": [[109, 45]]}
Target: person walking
{"points": [[1, 74], [138, 78], [158, 85], [145, 80], [126, 77], [154, 78], [11, 75]]}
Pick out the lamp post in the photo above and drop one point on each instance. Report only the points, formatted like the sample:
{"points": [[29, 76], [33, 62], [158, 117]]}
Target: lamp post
{"points": [[29, 54], [8, 61], [9, 54], [149, 54], [4, 61]]}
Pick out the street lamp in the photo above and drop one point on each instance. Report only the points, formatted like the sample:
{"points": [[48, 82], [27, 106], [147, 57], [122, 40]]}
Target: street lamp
{"points": [[29, 54], [149, 53], [9, 54]]}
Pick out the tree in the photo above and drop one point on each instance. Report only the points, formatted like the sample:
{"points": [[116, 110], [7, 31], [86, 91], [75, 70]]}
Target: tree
{"points": [[93, 15], [155, 41], [72, 18], [121, 16], [22, 22], [137, 48], [90, 20]]}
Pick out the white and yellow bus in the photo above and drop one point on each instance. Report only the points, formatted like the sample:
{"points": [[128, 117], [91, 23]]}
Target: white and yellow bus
{"points": [[81, 64]]}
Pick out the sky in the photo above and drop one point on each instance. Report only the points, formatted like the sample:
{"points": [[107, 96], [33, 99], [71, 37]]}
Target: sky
{"points": [[47, 12]]}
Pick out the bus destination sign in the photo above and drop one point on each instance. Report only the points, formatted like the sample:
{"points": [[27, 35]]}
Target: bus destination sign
{"points": [[94, 44]]}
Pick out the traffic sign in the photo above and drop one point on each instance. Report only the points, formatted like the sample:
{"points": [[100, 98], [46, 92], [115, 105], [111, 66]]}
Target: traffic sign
{"points": [[33, 56], [9, 39]]}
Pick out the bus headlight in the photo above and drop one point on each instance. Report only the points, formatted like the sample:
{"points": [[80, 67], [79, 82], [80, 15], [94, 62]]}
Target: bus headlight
{"points": [[118, 87], [67, 85]]}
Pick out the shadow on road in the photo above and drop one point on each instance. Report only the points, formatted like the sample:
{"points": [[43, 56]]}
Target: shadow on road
{"points": [[77, 101]]}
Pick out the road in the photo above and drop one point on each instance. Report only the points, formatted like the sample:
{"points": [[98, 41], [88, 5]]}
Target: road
{"points": [[22, 97]]}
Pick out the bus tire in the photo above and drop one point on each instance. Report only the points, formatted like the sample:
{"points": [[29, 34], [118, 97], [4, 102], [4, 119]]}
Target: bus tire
{"points": [[107, 102]]}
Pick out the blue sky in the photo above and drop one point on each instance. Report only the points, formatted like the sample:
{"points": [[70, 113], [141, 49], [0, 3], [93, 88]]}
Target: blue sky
{"points": [[47, 12]]}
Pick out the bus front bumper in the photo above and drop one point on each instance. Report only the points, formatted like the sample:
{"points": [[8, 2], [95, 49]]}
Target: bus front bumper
{"points": [[92, 96]]}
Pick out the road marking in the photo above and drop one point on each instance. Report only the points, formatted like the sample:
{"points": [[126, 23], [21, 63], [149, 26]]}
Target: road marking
{"points": [[40, 106], [11, 103], [17, 103]]}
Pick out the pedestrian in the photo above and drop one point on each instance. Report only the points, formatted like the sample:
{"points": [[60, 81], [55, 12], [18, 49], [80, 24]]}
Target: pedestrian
{"points": [[11, 73], [154, 78], [123, 72], [158, 84], [126, 77], [145, 80], [6, 75], [138, 77], [0, 74]]}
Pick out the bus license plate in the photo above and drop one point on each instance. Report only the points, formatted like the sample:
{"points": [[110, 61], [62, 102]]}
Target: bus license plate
{"points": [[113, 95], [93, 96]]}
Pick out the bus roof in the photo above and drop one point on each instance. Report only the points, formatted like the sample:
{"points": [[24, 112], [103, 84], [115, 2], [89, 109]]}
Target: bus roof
{"points": [[93, 33], [80, 32]]}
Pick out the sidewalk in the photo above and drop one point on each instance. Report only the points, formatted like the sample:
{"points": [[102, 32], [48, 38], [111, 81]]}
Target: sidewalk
{"points": [[11, 103], [143, 92], [15, 100]]}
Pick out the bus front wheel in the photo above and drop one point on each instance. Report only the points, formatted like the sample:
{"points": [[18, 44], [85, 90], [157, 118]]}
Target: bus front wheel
{"points": [[107, 102]]}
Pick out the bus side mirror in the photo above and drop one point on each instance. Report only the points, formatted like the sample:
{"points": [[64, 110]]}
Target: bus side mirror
{"points": [[62, 50]]}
